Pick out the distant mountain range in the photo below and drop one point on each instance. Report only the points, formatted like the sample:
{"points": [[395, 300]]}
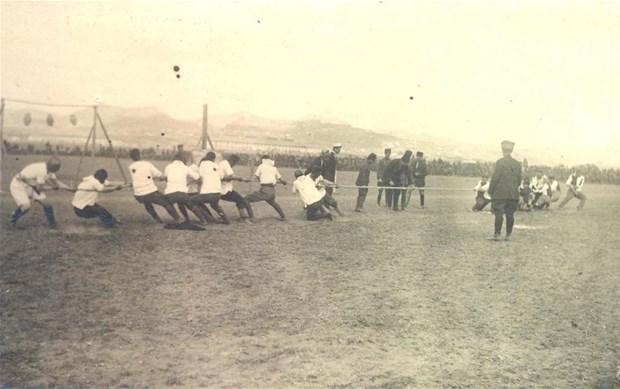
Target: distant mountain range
{"points": [[149, 127]]}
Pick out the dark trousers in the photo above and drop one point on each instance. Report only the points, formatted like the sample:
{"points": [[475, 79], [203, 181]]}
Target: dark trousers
{"points": [[394, 194], [202, 208], [380, 193], [481, 202], [361, 197], [266, 193], [184, 201], [329, 201], [240, 203], [315, 211], [96, 210], [501, 207], [160, 199], [570, 194], [213, 199]]}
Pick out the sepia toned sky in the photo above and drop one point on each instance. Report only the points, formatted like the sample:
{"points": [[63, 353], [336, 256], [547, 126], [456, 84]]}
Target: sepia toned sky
{"points": [[537, 72]]}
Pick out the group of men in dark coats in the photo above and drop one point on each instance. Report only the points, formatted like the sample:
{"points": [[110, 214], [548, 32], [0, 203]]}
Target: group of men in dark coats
{"points": [[403, 172]]}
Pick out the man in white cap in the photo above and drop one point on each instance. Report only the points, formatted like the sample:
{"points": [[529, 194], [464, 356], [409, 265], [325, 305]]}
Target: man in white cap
{"points": [[29, 185], [504, 190], [330, 165]]}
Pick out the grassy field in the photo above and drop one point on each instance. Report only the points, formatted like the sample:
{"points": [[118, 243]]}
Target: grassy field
{"points": [[415, 299]]}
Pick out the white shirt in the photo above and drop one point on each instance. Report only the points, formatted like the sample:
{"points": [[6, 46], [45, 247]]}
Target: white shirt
{"points": [[580, 181], [87, 192], [304, 185], [176, 176], [267, 173], [225, 170], [555, 186], [318, 183], [538, 184], [35, 173], [483, 188], [210, 178], [142, 174], [193, 185]]}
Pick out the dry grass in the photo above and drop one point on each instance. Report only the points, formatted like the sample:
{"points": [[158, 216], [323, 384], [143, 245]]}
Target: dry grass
{"points": [[377, 300]]}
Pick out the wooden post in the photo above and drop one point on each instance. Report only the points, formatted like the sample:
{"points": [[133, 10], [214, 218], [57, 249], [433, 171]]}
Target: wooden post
{"points": [[205, 135], [105, 133], [77, 171], [94, 150]]}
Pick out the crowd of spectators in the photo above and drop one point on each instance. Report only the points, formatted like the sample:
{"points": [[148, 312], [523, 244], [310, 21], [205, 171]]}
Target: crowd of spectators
{"points": [[436, 166]]}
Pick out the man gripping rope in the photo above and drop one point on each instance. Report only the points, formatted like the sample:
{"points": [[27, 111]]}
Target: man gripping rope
{"points": [[30, 184], [144, 189], [85, 198], [310, 196], [268, 176]]}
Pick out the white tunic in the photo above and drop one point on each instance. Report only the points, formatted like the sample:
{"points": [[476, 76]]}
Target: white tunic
{"points": [[87, 192], [210, 178], [177, 174], [267, 173], [304, 185], [142, 174], [225, 170]]}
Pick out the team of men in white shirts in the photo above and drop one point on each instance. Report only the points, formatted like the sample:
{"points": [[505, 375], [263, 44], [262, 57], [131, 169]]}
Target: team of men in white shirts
{"points": [[203, 182], [216, 184], [537, 192]]}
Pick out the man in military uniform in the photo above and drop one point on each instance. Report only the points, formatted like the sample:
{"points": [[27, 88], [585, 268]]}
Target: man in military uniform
{"points": [[395, 172], [419, 171], [329, 167], [504, 190], [381, 165]]}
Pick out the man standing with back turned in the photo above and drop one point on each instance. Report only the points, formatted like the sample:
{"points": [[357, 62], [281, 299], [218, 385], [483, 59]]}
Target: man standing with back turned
{"points": [[504, 190]]}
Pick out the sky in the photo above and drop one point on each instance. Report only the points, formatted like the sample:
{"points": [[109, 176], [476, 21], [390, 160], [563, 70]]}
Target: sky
{"points": [[536, 72]]}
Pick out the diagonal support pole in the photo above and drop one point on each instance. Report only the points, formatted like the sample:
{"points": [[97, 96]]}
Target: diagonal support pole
{"points": [[90, 135], [118, 163]]}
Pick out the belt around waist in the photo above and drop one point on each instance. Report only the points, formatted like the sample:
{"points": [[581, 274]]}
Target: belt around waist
{"points": [[269, 185]]}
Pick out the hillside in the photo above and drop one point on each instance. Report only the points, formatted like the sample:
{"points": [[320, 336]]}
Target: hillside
{"points": [[149, 127]]}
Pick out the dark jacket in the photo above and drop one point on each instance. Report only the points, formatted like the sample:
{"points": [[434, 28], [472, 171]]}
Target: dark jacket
{"points": [[506, 179], [419, 168], [329, 167], [363, 177], [318, 161], [381, 165], [395, 171]]}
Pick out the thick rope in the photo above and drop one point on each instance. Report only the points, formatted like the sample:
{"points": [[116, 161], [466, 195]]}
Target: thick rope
{"points": [[399, 187]]}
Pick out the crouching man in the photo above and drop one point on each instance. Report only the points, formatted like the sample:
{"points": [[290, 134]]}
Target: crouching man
{"points": [[85, 198], [310, 196]]}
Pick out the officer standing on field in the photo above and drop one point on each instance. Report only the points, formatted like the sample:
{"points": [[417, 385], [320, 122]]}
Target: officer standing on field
{"points": [[504, 190], [330, 165], [380, 170]]}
